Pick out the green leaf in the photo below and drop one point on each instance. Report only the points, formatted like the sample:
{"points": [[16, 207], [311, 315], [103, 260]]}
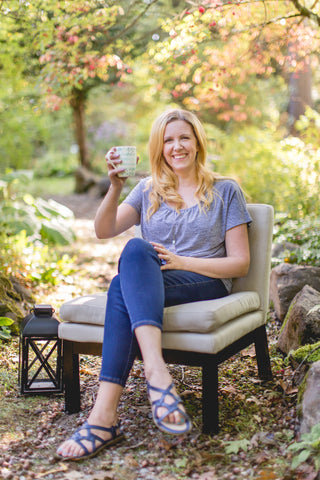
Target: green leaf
{"points": [[5, 334], [51, 208], [237, 445], [181, 462], [5, 321], [302, 457], [57, 233]]}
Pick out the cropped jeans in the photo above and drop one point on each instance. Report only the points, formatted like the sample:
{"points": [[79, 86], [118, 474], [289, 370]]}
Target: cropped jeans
{"points": [[137, 296]]}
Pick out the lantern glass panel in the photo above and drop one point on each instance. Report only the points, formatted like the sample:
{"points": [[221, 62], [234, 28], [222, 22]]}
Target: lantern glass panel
{"points": [[43, 364]]}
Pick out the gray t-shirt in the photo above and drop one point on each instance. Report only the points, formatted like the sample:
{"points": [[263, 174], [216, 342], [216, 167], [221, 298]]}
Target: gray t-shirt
{"points": [[192, 233]]}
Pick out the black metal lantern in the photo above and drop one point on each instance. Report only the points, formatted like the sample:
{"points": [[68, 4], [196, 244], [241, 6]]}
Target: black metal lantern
{"points": [[40, 366]]}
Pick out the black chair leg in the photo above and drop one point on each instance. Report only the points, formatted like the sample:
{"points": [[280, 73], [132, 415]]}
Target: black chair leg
{"points": [[262, 354], [210, 403], [71, 378]]}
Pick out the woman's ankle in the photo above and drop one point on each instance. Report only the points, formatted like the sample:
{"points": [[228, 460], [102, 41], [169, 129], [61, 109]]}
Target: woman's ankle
{"points": [[159, 376], [103, 418]]}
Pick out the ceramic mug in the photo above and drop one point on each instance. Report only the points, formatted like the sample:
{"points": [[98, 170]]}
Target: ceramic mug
{"points": [[128, 157]]}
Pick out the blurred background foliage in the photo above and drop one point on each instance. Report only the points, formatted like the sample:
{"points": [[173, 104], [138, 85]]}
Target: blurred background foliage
{"points": [[111, 70]]}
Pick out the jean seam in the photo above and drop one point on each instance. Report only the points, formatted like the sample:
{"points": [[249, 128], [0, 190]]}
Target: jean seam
{"points": [[106, 378], [146, 322], [126, 367]]}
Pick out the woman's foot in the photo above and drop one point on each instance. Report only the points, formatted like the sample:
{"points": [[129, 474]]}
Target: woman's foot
{"points": [[94, 435], [167, 408]]}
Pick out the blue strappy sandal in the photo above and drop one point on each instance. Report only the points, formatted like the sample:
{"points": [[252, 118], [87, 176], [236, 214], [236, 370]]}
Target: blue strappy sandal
{"points": [[93, 438], [173, 428]]}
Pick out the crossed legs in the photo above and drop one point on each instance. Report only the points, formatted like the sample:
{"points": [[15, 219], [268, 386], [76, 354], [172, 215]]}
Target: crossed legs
{"points": [[136, 299]]}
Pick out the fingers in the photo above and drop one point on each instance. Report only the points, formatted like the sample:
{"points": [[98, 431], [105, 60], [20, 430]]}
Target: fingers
{"points": [[113, 162], [163, 254]]}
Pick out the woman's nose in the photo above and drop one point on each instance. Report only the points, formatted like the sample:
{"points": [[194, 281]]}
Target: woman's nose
{"points": [[177, 144]]}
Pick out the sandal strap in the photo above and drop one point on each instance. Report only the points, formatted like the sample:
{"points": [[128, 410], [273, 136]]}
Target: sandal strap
{"points": [[91, 437], [161, 403]]}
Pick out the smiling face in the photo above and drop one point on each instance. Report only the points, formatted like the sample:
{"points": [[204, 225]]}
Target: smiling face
{"points": [[180, 147]]}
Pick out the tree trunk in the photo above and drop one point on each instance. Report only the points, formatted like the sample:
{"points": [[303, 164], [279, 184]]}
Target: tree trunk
{"points": [[300, 93], [77, 103]]}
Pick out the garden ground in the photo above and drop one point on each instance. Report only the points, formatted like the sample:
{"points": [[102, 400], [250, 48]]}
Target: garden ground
{"points": [[258, 421]]}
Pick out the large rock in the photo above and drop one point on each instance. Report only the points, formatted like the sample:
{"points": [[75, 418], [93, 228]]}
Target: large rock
{"points": [[310, 402], [302, 323], [286, 281]]}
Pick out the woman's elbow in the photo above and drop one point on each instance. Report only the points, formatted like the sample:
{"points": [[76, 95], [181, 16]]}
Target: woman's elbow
{"points": [[245, 265], [101, 234]]}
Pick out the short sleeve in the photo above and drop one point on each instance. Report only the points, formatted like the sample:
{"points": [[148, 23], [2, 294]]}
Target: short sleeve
{"points": [[135, 197], [237, 209]]}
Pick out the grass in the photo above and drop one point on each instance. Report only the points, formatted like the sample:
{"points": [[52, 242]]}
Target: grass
{"points": [[42, 187]]}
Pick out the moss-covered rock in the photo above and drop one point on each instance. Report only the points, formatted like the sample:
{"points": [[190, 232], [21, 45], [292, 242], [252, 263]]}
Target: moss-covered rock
{"points": [[307, 354], [11, 303]]}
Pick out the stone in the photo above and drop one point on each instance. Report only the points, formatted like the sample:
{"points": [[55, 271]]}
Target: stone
{"points": [[302, 323], [310, 401], [286, 280], [279, 249]]}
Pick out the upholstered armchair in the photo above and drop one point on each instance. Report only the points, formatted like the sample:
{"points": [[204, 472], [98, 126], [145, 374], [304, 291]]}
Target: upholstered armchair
{"points": [[202, 334]]}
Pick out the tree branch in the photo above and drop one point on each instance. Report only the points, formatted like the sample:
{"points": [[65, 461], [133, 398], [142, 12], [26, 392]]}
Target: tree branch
{"points": [[306, 12], [134, 21]]}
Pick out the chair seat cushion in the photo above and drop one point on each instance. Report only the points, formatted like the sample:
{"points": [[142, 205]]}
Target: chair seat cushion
{"points": [[201, 317], [211, 342]]}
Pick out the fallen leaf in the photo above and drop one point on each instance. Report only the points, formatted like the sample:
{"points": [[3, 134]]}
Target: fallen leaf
{"points": [[266, 438], [261, 458], [287, 387], [267, 475], [130, 461], [229, 389], [165, 445], [255, 400], [209, 475], [249, 352]]}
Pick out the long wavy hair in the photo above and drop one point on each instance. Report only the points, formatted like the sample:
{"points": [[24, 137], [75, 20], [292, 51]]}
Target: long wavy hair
{"points": [[164, 181]]}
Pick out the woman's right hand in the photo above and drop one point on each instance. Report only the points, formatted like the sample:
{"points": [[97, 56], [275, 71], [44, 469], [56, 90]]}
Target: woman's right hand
{"points": [[114, 167]]}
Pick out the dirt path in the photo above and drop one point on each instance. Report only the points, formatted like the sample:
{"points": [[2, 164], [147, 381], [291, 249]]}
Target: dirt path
{"points": [[94, 262]]}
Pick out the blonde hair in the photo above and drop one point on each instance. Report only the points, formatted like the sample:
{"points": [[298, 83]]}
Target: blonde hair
{"points": [[164, 181]]}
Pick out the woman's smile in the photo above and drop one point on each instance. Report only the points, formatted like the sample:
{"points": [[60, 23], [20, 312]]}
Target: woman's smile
{"points": [[180, 146]]}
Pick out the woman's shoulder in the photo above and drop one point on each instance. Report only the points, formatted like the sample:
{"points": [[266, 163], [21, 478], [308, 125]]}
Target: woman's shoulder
{"points": [[143, 184], [225, 184]]}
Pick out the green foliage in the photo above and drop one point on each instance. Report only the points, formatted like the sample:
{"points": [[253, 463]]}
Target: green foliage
{"points": [[308, 447], [29, 229], [55, 163], [40, 219], [305, 234], [282, 173], [5, 332], [236, 445], [307, 353]]}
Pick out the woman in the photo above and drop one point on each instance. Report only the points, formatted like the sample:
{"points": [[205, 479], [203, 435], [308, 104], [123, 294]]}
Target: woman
{"points": [[195, 240]]}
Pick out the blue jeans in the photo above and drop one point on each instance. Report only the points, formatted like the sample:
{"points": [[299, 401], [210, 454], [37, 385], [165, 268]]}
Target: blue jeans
{"points": [[137, 296]]}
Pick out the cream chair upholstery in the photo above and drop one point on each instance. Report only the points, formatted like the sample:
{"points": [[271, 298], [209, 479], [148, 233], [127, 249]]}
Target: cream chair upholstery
{"points": [[201, 334]]}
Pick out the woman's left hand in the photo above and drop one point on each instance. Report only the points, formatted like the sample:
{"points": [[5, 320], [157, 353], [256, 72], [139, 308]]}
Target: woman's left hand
{"points": [[173, 261]]}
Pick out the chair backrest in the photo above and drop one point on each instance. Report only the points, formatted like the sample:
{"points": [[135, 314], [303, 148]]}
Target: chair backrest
{"points": [[260, 240]]}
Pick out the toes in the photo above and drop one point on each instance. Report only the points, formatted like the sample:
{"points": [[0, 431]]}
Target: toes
{"points": [[69, 449]]}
